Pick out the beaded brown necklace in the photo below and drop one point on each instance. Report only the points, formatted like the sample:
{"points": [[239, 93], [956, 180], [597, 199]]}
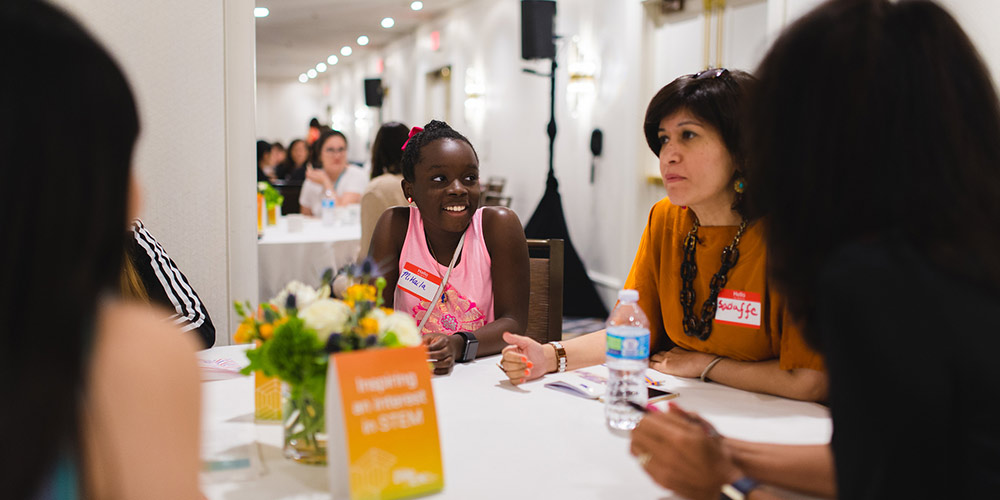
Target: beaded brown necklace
{"points": [[701, 327]]}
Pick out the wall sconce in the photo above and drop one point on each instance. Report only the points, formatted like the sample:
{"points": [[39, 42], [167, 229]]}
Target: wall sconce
{"points": [[475, 95], [581, 90], [362, 122]]}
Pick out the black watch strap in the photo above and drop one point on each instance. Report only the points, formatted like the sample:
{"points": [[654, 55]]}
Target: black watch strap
{"points": [[471, 347]]}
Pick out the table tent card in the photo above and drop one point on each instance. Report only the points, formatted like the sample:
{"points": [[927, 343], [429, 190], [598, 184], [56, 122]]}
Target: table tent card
{"points": [[382, 425]]}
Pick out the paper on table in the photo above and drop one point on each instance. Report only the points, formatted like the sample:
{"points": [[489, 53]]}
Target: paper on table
{"points": [[581, 383], [219, 369]]}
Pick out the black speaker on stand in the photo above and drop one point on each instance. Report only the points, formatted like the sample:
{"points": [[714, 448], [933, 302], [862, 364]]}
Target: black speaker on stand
{"points": [[580, 297], [374, 92], [537, 19]]}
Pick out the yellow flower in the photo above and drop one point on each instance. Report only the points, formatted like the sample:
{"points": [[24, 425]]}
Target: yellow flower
{"points": [[266, 331], [387, 310], [369, 326], [244, 333], [358, 293]]}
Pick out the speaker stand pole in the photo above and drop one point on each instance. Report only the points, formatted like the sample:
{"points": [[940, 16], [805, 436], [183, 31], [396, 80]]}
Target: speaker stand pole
{"points": [[552, 118]]}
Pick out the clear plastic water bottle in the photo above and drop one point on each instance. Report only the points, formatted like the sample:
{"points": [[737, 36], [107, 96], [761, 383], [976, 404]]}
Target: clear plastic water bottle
{"points": [[328, 210], [627, 360]]}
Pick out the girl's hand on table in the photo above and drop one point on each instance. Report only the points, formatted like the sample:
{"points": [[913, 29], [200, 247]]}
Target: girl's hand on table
{"points": [[441, 352], [682, 452], [680, 362], [523, 359]]}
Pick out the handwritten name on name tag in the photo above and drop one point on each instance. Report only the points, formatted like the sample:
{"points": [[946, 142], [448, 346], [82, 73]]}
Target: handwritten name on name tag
{"points": [[418, 282], [738, 308]]}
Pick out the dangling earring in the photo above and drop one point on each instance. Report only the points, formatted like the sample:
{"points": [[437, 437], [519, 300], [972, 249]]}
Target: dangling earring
{"points": [[739, 185], [409, 200]]}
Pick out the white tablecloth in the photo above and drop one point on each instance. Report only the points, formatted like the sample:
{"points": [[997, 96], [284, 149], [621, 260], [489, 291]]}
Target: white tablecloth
{"points": [[503, 442], [285, 256]]}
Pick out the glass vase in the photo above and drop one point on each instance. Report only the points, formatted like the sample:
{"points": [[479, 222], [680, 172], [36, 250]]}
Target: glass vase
{"points": [[304, 425]]}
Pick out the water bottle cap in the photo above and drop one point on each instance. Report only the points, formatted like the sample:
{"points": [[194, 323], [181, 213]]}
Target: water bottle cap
{"points": [[628, 295]]}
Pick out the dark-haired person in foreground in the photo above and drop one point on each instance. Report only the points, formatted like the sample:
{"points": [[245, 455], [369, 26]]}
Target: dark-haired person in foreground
{"points": [[102, 397], [703, 230], [883, 220], [486, 292]]}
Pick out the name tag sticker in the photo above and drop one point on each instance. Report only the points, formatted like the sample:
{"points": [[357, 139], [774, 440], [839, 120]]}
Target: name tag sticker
{"points": [[738, 308], [418, 282]]}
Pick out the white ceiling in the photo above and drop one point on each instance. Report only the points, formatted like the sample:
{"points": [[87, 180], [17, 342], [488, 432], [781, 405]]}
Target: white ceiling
{"points": [[300, 33]]}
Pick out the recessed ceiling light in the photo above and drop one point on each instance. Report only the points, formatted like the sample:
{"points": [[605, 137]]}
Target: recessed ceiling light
{"points": [[312, 73], [388, 22], [303, 78], [362, 40], [260, 12], [321, 67], [416, 5], [345, 51], [332, 59]]}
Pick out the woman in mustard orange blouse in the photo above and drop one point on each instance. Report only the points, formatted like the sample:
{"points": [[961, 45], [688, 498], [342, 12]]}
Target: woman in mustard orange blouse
{"points": [[701, 264]]}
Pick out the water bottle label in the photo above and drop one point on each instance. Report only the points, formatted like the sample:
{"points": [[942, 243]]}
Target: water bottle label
{"points": [[628, 343]]}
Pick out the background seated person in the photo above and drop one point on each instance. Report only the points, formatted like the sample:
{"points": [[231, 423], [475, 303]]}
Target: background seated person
{"points": [[701, 244], [385, 189], [331, 176]]}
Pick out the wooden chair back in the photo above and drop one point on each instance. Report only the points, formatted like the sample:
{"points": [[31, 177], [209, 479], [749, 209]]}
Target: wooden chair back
{"points": [[545, 301]]}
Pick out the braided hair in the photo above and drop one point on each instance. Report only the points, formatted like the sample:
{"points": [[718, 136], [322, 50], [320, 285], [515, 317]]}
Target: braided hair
{"points": [[433, 131]]}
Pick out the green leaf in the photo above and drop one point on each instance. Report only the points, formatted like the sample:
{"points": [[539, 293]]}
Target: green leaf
{"points": [[390, 340], [239, 309]]}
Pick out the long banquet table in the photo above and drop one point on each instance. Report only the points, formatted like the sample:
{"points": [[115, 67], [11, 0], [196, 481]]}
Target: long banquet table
{"points": [[498, 441], [304, 255]]}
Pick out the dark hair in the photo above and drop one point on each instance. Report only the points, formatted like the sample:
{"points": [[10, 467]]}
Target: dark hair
{"points": [[433, 131], [288, 165], [318, 145], [68, 228], [263, 148], [715, 96], [314, 123], [387, 150], [875, 119]]}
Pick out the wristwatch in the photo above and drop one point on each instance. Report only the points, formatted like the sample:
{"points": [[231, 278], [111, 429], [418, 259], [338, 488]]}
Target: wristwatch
{"points": [[739, 489], [471, 347]]}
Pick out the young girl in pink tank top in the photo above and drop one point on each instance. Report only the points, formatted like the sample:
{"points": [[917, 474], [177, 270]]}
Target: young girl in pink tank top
{"points": [[486, 291]]}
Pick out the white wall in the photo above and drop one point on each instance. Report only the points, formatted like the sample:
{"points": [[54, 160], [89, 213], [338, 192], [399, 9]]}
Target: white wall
{"points": [[284, 110], [190, 64]]}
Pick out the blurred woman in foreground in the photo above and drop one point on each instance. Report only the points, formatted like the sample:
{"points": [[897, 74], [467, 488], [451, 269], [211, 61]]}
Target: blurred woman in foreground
{"points": [[102, 397]]}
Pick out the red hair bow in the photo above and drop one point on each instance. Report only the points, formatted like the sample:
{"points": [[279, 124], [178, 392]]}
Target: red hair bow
{"points": [[413, 131]]}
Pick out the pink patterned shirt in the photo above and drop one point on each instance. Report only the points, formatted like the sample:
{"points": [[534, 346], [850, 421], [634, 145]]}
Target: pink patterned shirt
{"points": [[467, 302]]}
